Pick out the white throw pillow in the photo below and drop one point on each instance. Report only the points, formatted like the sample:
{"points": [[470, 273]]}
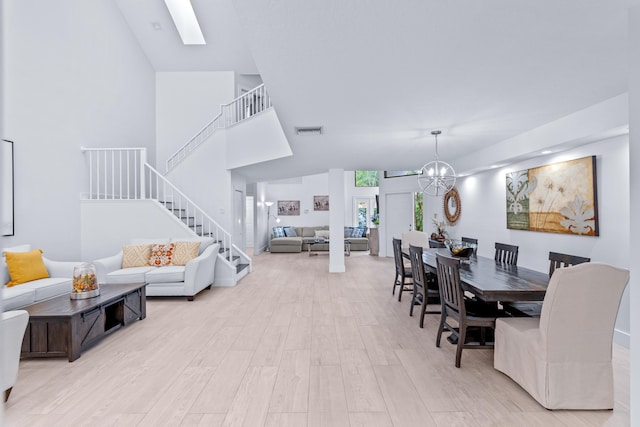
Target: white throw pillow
{"points": [[322, 234]]}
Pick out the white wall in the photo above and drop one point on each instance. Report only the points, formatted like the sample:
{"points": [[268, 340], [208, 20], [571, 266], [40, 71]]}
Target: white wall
{"points": [[247, 82], [107, 225], [483, 201], [257, 139], [74, 76], [204, 178], [304, 188], [185, 103]]}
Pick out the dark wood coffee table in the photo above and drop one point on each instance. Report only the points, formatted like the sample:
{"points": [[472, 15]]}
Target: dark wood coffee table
{"points": [[61, 326]]}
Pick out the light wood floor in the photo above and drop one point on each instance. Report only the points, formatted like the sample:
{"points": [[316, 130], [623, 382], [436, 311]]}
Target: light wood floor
{"points": [[291, 345]]}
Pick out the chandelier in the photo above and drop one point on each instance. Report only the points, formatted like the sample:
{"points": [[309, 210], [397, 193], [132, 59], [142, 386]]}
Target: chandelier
{"points": [[436, 177]]}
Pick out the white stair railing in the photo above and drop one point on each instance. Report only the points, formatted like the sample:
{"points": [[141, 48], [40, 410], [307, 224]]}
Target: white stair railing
{"points": [[241, 108], [124, 174]]}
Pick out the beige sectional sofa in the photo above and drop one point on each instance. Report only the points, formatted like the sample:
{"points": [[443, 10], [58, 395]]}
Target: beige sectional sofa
{"points": [[297, 244]]}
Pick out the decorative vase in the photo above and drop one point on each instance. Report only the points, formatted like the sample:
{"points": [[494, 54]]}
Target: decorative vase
{"points": [[85, 282]]}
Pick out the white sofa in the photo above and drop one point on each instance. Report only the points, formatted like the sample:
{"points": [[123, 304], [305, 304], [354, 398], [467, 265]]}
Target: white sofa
{"points": [[59, 282], [170, 280], [12, 327]]}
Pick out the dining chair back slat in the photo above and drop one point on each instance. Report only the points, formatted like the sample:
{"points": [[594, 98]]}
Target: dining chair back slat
{"points": [[401, 273], [434, 244], [506, 254], [558, 260], [472, 242], [425, 284]]}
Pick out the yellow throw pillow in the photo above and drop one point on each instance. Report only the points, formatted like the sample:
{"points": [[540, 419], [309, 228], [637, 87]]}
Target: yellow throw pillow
{"points": [[161, 254], [135, 255], [185, 252], [25, 266]]}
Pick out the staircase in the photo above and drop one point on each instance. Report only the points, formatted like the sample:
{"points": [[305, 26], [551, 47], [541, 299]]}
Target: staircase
{"points": [[123, 174], [197, 228], [254, 102]]}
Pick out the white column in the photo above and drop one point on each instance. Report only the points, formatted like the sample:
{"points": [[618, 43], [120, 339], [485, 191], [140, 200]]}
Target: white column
{"points": [[634, 186], [336, 220]]}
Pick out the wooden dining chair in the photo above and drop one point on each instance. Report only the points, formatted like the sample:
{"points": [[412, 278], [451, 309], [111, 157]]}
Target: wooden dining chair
{"points": [[558, 260], [402, 275], [534, 309], [506, 254], [434, 244], [453, 306], [471, 241], [424, 284]]}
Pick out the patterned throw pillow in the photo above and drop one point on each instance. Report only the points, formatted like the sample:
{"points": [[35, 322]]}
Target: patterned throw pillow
{"points": [[135, 255], [185, 252], [322, 234], [289, 231], [278, 232], [358, 232], [348, 231], [161, 254]]}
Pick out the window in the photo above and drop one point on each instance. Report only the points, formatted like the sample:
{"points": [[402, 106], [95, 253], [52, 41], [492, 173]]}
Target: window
{"points": [[367, 179]]}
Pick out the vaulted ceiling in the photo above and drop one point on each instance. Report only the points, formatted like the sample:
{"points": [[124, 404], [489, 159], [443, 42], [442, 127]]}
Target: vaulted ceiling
{"points": [[379, 76]]}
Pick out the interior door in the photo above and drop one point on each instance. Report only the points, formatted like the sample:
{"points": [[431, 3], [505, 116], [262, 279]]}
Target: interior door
{"points": [[398, 217]]}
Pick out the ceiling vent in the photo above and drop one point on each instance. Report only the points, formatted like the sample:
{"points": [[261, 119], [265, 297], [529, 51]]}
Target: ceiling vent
{"points": [[311, 130]]}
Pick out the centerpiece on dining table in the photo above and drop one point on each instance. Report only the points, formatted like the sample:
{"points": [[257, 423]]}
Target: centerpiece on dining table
{"points": [[459, 249]]}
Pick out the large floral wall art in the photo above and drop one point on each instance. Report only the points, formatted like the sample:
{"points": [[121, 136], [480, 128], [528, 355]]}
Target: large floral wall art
{"points": [[556, 198]]}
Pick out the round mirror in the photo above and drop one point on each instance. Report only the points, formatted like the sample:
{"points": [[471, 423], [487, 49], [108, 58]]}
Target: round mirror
{"points": [[451, 206]]}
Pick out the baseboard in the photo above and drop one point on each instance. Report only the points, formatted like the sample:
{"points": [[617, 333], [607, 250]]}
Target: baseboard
{"points": [[622, 338]]}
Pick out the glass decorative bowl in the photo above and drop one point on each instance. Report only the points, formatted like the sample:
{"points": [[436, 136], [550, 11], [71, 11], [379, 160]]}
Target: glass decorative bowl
{"points": [[459, 249], [85, 282]]}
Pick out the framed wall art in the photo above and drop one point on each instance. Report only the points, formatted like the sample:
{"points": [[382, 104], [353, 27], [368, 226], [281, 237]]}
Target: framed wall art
{"points": [[320, 203], [288, 207], [6, 188], [556, 198]]}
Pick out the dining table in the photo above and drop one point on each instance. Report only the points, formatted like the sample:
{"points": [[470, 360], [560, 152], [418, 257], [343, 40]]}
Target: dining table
{"points": [[492, 281]]}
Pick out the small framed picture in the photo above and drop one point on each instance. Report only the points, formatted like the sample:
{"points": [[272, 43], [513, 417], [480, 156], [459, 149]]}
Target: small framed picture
{"points": [[288, 207], [320, 203]]}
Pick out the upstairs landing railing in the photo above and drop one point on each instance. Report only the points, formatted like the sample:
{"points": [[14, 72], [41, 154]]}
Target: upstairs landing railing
{"points": [[124, 174], [241, 108]]}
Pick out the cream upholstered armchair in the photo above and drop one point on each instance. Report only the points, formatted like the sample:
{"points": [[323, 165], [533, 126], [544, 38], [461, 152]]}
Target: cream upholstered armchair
{"points": [[14, 323], [415, 238], [563, 358]]}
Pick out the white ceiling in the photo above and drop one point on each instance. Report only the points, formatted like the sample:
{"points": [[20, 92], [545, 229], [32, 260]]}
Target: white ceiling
{"points": [[379, 76]]}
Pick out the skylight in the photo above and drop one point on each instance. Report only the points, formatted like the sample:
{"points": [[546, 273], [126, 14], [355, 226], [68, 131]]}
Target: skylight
{"points": [[185, 20]]}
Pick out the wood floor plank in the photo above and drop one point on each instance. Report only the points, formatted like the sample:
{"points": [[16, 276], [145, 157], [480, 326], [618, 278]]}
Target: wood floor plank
{"points": [[173, 405], [251, 403], [220, 390], [327, 399], [361, 386], [286, 420], [203, 420], [271, 346], [324, 345], [370, 419], [291, 390], [403, 402]]}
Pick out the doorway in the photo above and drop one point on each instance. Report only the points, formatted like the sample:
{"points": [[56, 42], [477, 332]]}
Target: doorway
{"points": [[399, 217]]}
